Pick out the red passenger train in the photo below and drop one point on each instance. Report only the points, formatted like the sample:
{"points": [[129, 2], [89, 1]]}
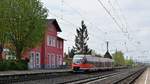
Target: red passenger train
{"points": [[91, 63]]}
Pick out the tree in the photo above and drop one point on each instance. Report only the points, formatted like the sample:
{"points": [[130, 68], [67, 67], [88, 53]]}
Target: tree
{"points": [[129, 62], [119, 58], [81, 39], [71, 53], [23, 22]]}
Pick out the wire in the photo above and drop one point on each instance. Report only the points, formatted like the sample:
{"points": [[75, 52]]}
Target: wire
{"points": [[114, 10], [109, 13], [113, 18]]}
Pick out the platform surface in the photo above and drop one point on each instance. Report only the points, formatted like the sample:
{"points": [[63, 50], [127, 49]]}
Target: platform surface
{"points": [[5, 73], [144, 78]]}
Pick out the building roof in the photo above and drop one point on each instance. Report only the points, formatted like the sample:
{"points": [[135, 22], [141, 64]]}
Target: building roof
{"points": [[61, 38], [54, 21]]}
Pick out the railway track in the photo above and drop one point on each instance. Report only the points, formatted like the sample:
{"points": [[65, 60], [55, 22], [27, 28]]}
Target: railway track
{"points": [[123, 77], [72, 77], [81, 81], [63, 78], [129, 79]]}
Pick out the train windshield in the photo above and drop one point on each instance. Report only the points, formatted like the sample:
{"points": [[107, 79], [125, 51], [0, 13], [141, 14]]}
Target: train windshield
{"points": [[78, 59]]}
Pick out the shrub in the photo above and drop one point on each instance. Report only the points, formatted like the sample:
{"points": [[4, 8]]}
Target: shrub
{"points": [[2, 66], [10, 65], [13, 65], [22, 65]]}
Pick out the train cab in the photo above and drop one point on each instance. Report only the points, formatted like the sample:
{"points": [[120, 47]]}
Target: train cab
{"points": [[79, 63]]}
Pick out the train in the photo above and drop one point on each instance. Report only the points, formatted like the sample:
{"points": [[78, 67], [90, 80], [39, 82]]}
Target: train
{"points": [[91, 63]]}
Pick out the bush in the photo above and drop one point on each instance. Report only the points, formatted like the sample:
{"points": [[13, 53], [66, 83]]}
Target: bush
{"points": [[10, 65], [22, 65], [13, 65], [2, 66]]}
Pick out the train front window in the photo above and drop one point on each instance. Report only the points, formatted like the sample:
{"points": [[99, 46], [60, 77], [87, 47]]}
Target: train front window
{"points": [[77, 61]]}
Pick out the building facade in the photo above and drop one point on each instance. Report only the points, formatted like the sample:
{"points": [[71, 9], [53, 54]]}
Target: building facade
{"points": [[49, 54]]}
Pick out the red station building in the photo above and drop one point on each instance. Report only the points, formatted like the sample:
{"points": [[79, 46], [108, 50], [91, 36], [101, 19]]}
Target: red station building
{"points": [[49, 54]]}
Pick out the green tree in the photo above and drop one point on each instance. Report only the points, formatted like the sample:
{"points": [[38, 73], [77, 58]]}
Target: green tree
{"points": [[71, 53], [81, 39], [23, 23], [129, 62], [119, 58]]}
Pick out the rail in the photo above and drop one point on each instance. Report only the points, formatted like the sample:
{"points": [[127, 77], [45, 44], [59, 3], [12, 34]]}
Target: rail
{"points": [[123, 77]]}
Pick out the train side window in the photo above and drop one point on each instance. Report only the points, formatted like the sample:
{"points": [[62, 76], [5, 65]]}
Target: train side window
{"points": [[100, 64], [84, 60]]}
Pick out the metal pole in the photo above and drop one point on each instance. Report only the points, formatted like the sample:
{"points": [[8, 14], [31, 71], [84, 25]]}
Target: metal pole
{"points": [[107, 45]]}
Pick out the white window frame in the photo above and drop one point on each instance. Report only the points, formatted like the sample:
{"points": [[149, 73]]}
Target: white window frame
{"points": [[32, 60], [51, 41]]}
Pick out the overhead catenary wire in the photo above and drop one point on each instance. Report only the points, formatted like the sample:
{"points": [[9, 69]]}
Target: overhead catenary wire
{"points": [[113, 18], [80, 14], [87, 21], [123, 16], [117, 14]]}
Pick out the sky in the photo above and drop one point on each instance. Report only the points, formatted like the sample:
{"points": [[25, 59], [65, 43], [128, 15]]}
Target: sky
{"points": [[130, 33]]}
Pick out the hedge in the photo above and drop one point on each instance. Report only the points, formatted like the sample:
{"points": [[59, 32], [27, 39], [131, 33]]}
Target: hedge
{"points": [[13, 65]]}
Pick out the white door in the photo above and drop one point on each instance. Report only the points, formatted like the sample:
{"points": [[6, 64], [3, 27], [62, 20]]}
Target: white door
{"points": [[37, 64], [53, 60], [32, 60]]}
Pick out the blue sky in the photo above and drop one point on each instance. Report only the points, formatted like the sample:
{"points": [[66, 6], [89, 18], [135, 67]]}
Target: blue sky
{"points": [[131, 14]]}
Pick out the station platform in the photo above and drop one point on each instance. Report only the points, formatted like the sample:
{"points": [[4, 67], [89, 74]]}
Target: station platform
{"points": [[9, 73], [144, 78]]}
